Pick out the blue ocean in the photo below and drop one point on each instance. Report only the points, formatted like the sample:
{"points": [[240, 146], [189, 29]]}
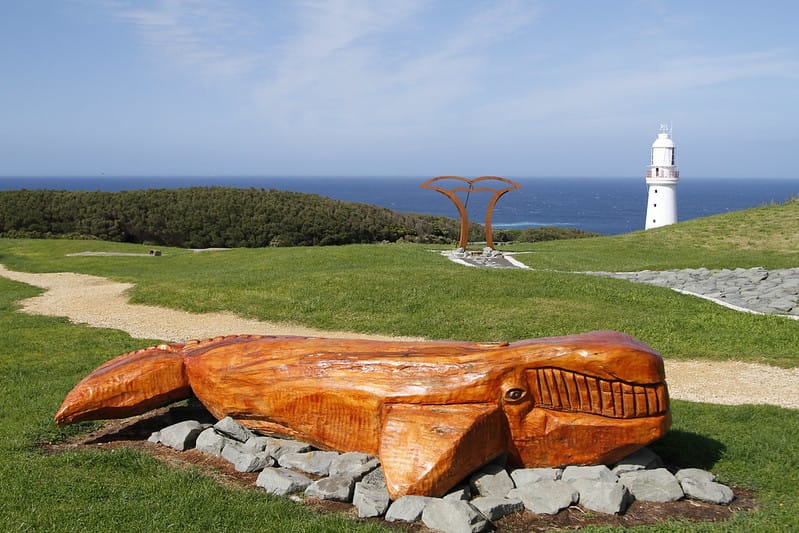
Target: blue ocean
{"points": [[602, 205]]}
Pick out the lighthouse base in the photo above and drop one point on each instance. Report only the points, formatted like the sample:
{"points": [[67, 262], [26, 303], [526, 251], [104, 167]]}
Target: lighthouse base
{"points": [[661, 204]]}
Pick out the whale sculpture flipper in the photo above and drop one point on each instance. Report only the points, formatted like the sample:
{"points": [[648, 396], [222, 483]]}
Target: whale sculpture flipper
{"points": [[427, 449]]}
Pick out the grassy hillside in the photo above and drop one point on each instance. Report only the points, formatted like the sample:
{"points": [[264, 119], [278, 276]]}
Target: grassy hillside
{"points": [[409, 290], [399, 289], [766, 236]]}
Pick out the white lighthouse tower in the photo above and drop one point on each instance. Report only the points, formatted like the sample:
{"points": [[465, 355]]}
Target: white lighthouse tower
{"points": [[661, 180]]}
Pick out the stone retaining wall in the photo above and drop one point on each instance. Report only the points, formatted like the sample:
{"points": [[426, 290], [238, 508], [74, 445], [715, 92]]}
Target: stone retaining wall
{"points": [[292, 468]]}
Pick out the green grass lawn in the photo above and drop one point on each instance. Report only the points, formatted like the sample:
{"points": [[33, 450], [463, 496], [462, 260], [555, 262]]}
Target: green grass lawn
{"points": [[392, 289], [123, 490]]}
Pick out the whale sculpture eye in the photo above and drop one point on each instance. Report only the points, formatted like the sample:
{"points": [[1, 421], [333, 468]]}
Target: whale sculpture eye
{"points": [[514, 394]]}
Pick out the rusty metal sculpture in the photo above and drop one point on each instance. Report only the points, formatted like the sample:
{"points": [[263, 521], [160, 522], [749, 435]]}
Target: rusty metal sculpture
{"points": [[432, 411], [463, 240]]}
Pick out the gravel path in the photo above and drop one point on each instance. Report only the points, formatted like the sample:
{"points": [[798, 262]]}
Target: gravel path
{"points": [[100, 302]]}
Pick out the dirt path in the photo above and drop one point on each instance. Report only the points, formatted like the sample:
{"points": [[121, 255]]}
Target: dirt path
{"points": [[100, 302]]}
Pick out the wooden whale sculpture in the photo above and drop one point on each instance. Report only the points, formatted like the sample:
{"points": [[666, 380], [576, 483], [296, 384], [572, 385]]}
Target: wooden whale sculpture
{"points": [[432, 411]]}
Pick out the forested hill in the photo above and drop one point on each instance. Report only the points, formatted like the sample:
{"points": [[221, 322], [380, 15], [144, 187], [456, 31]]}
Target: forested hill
{"points": [[201, 217], [205, 217]]}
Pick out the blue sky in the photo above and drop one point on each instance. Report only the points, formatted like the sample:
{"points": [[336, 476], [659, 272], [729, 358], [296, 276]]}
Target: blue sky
{"points": [[406, 87]]}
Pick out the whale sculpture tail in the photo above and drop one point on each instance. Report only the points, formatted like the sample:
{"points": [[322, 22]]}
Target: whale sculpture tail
{"points": [[130, 384]]}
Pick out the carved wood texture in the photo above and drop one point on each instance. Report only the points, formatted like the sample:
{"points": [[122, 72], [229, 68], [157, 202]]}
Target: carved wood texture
{"points": [[432, 411]]}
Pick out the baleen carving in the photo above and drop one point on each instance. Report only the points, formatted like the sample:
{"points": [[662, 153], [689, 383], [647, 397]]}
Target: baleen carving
{"points": [[432, 411]]}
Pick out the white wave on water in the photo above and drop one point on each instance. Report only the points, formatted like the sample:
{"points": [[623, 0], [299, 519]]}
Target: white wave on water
{"points": [[531, 224]]}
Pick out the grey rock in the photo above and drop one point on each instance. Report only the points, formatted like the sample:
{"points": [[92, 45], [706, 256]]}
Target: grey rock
{"points": [[371, 496], [699, 484], [596, 473], [491, 480], [353, 464], [335, 488], [231, 445], [523, 476], [715, 293], [181, 436], [282, 481], [278, 447], [375, 478], [461, 492], [694, 474], [545, 496], [230, 428], [658, 485], [495, 508], [209, 441], [253, 462], [783, 305], [155, 437], [315, 462], [244, 461], [640, 460], [407, 508], [602, 496], [738, 302], [453, 516], [256, 444], [709, 492]]}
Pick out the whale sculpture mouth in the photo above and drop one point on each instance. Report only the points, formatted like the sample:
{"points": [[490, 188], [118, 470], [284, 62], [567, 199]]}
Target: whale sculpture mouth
{"points": [[564, 390], [569, 417]]}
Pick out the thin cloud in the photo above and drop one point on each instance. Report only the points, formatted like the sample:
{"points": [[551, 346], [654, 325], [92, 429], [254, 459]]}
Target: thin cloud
{"points": [[194, 33], [360, 73], [339, 70], [337, 62], [605, 91]]}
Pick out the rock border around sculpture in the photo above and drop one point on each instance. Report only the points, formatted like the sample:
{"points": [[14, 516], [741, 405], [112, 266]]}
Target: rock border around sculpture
{"points": [[287, 467]]}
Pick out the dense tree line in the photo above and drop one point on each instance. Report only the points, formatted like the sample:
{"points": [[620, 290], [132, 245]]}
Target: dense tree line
{"points": [[202, 217], [546, 233]]}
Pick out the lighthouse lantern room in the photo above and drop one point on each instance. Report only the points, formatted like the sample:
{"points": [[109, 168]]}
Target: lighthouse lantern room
{"points": [[661, 180]]}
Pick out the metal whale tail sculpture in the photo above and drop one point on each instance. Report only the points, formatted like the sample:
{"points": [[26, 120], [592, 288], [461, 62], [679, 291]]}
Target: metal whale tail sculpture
{"points": [[432, 411]]}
